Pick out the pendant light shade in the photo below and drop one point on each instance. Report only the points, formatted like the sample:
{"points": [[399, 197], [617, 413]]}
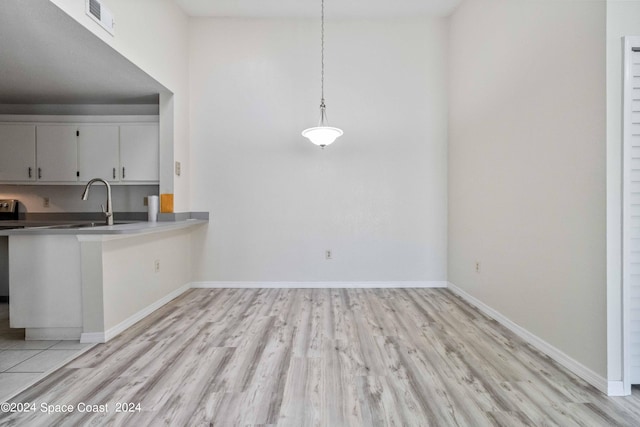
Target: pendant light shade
{"points": [[322, 135]]}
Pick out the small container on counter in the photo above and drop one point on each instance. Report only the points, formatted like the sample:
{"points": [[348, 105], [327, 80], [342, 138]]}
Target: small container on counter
{"points": [[152, 204]]}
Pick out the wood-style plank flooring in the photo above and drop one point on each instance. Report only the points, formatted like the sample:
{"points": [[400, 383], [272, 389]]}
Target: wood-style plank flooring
{"points": [[321, 357]]}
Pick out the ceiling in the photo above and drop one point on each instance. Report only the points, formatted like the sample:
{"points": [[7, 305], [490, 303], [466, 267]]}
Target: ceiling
{"points": [[311, 8], [48, 58]]}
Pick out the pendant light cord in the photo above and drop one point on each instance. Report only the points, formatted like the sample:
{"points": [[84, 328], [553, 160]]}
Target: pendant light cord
{"points": [[322, 50], [323, 114]]}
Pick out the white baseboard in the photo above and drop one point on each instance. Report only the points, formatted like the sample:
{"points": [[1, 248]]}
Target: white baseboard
{"points": [[92, 337], [101, 337], [318, 285], [562, 358], [616, 388], [51, 334]]}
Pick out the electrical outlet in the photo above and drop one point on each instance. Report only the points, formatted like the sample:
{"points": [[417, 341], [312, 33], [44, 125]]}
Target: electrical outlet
{"points": [[477, 266], [145, 201], [178, 168], [45, 202], [157, 265], [327, 254]]}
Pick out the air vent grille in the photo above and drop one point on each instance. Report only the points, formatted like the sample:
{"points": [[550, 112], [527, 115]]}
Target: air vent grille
{"points": [[99, 13], [94, 8]]}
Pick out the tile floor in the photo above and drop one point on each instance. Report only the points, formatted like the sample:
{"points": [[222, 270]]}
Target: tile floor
{"points": [[22, 363]]}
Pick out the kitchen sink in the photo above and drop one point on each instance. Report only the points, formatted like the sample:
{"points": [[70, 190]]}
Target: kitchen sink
{"points": [[87, 225]]}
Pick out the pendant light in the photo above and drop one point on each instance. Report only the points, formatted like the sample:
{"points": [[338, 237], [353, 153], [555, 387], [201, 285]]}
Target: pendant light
{"points": [[322, 135]]}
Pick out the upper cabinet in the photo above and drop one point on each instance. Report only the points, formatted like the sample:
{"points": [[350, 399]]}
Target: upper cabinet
{"points": [[17, 152], [98, 152], [67, 153], [56, 149], [139, 153]]}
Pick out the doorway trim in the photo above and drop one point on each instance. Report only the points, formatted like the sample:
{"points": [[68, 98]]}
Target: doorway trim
{"points": [[627, 87]]}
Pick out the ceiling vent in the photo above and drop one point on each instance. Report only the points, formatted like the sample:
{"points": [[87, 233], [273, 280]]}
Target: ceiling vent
{"points": [[96, 10]]}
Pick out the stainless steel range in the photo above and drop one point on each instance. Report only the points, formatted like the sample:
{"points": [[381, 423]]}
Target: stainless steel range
{"points": [[8, 212]]}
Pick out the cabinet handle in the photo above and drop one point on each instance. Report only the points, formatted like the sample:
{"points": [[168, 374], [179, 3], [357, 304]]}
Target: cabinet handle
{"points": [[114, 173], [123, 172], [39, 173], [29, 171]]}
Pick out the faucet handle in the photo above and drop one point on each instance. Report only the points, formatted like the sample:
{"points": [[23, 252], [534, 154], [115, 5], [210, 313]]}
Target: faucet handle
{"points": [[102, 207]]}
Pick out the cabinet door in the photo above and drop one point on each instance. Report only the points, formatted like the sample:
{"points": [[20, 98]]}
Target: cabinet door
{"points": [[98, 152], [139, 153], [57, 150], [17, 152]]}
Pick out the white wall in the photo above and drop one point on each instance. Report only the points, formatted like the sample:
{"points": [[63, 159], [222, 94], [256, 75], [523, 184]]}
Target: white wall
{"points": [[130, 282], [153, 35], [376, 197], [623, 19], [527, 167]]}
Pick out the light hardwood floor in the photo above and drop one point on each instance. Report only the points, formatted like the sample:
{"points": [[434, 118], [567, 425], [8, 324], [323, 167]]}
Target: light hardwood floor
{"points": [[322, 357]]}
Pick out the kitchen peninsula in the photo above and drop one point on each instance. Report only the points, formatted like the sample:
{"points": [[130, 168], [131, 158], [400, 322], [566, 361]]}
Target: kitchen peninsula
{"points": [[91, 282]]}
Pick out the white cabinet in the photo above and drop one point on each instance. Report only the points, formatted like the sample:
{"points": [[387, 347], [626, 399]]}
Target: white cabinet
{"points": [[139, 153], [17, 152], [57, 153], [46, 292], [73, 152], [98, 155]]}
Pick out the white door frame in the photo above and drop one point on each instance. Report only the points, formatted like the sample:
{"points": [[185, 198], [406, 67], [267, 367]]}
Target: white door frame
{"points": [[629, 43]]}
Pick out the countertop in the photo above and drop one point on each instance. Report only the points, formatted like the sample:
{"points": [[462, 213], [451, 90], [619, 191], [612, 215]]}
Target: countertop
{"points": [[35, 228]]}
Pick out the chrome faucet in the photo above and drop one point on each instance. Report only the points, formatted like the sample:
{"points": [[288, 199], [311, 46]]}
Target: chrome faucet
{"points": [[108, 213]]}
